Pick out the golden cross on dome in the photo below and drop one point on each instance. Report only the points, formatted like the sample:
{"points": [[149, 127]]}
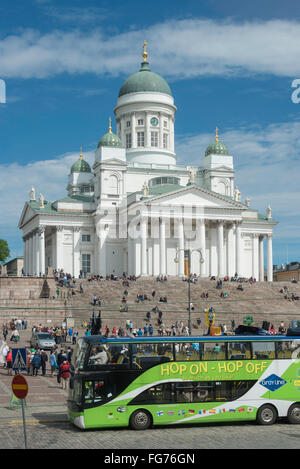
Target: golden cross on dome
{"points": [[217, 137], [80, 156], [145, 53], [109, 126]]}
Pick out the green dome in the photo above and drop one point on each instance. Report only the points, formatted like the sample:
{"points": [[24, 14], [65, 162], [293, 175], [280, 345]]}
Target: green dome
{"points": [[110, 140], [80, 166], [216, 148], [145, 80]]}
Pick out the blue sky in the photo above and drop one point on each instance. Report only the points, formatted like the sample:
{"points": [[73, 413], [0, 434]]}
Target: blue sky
{"points": [[229, 63]]}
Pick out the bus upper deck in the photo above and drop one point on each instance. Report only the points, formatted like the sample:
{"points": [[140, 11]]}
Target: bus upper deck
{"points": [[100, 352]]}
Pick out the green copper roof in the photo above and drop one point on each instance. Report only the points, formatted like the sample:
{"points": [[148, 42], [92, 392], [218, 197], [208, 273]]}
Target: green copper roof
{"points": [[110, 140], [216, 148], [145, 80], [80, 166]]}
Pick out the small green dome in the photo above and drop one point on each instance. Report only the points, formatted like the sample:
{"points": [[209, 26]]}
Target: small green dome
{"points": [[110, 140], [145, 80], [81, 166], [216, 148]]}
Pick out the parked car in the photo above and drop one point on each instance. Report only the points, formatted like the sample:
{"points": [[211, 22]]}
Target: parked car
{"points": [[42, 340]]}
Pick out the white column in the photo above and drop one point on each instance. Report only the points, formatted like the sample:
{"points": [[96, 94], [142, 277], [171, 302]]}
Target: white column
{"points": [[42, 250], [30, 255], [147, 131], [261, 260], [162, 232], [76, 251], [255, 256], [133, 130], [230, 252], [59, 261], [220, 249], [203, 248], [102, 252], [238, 249], [144, 235], [270, 259], [25, 254], [181, 248]]}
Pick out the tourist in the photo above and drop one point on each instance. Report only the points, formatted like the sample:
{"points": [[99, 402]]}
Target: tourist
{"points": [[52, 362], [9, 361], [44, 359], [65, 374]]}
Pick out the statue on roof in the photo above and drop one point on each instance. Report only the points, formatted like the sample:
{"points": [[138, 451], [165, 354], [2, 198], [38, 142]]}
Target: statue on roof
{"points": [[237, 195], [41, 201], [145, 189], [32, 194], [192, 175], [269, 212]]}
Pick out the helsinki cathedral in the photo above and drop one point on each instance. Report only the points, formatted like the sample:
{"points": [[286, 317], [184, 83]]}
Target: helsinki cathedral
{"points": [[137, 211]]}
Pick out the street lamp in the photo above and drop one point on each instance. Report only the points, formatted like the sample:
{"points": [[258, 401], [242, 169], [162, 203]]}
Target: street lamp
{"points": [[176, 260]]}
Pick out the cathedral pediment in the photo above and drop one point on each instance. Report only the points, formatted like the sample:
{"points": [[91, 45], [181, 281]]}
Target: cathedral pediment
{"points": [[195, 196], [27, 214]]}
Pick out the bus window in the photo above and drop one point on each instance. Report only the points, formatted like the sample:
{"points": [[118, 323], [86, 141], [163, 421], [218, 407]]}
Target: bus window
{"points": [[187, 351], [104, 354], [288, 349], [214, 351], [98, 392], [80, 354], [198, 391], [239, 351], [160, 394], [148, 355], [263, 350]]}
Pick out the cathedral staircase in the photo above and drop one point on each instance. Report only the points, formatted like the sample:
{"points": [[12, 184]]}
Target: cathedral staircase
{"points": [[23, 297]]}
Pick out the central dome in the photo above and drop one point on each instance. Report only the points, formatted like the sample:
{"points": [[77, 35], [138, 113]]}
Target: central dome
{"points": [[145, 80]]}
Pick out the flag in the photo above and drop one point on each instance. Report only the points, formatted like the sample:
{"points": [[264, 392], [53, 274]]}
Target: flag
{"points": [[170, 412], [160, 413], [212, 411], [191, 411]]}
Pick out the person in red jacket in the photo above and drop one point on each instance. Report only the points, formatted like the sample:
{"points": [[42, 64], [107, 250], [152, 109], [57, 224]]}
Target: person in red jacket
{"points": [[65, 374], [9, 362]]}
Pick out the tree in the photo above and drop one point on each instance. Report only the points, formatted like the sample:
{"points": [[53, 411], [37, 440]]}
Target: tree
{"points": [[4, 251]]}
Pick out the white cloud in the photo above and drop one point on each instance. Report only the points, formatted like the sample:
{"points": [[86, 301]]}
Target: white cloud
{"points": [[177, 49]]}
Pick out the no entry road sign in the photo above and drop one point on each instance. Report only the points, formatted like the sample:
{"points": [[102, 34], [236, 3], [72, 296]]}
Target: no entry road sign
{"points": [[19, 386]]}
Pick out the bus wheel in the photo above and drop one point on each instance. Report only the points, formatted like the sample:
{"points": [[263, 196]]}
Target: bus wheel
{"points": [[293, 415], [140, 420], [266, 415]]}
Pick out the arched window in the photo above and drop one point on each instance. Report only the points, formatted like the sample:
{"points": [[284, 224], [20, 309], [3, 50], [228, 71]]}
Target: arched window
{"points": [[113, 185]]}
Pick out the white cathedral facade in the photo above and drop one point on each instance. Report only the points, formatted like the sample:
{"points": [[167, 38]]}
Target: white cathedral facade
{"points": [[137, 211]]}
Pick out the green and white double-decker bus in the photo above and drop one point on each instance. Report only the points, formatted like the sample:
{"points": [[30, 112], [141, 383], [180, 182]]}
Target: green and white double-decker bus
{"points": [[145, 381]]}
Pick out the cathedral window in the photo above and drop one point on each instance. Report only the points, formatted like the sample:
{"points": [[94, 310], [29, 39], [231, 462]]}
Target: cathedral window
{"points": [[164, 180], [140, 121], [154, 139], [86, 263], [140, 139], [128, 140], [165, 140], [113, 185], [86, 238], [127, 123]]}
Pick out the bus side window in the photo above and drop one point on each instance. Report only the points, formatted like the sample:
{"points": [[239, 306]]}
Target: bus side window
{"points": [[287, 349], [263, 350], [239, 351]]}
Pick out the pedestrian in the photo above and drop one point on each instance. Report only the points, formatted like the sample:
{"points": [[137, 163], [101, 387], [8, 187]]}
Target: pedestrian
{"points": [[69, 354], [9, 362], [150, 329], [52, 362], [36, 363], [146, 329], [28, 359], [74, 337], [44, 359], [65, 374]]}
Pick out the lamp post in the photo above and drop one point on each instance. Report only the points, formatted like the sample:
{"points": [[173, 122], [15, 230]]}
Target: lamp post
{"points": [[176, 260]]}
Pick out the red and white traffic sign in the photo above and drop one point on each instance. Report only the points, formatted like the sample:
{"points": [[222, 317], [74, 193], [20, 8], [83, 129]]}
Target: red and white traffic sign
{"points": [[19, 386]]}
